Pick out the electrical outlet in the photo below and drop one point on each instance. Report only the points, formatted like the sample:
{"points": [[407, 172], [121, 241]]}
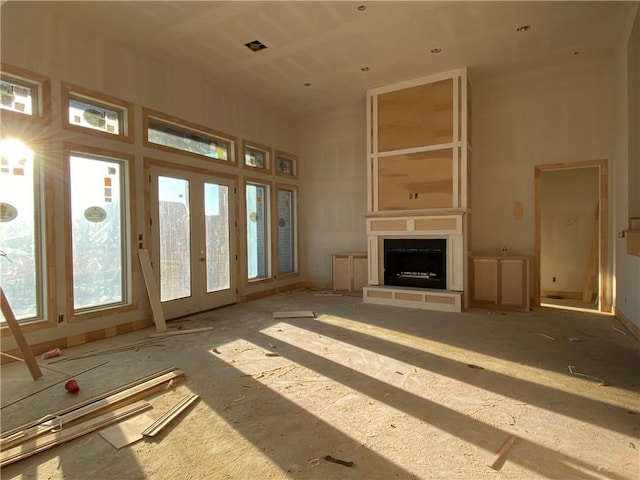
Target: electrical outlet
{"points": [[554, 279]]}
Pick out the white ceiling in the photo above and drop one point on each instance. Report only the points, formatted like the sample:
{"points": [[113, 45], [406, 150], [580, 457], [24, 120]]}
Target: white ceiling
{"points": [[327, 43]]}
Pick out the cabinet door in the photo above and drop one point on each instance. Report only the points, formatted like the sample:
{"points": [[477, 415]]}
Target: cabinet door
{"points": [[513, 285], [341, 273], [360, 278], [485, 280]]}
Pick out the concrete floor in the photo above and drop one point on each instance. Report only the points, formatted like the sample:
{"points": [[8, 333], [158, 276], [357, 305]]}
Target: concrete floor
{"points": [[402, 393]]}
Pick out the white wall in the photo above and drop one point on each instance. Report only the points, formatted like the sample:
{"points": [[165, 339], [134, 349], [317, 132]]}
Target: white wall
{"points": [[34, 39], [558, 113], [568, 204], [334, 180], [626, 199]]}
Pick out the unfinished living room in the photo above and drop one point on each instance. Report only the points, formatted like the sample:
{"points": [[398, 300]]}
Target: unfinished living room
{"points": [[320, 240]]}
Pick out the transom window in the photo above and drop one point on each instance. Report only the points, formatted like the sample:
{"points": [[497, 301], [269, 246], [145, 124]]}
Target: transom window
{"points": [[166, 133], [286, 165], [256, 156], [95, 113], [24, 93]]}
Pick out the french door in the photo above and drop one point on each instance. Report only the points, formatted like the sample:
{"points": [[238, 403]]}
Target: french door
{"points": [[193, 245]]}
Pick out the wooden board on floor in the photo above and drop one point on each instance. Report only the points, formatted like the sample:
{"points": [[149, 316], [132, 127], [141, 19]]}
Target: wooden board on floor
{"points": [[296, 314], [127, 432], [180, 332], [18, 336], [152, 290]]}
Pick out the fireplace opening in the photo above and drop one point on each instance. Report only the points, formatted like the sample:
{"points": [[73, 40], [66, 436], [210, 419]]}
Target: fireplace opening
{"points": [[416, 262]]}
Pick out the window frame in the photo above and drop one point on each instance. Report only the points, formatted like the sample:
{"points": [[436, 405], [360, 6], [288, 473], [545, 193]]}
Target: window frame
{"points": [[268, 151], [101, 100], [287, 156], [295, 231], [42, 85], [45, 201], [268, 277], [130, 265], [192, 127]]}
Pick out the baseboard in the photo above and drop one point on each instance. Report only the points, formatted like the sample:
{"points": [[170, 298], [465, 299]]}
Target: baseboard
{"points": [[80, 339], [628, 324]]}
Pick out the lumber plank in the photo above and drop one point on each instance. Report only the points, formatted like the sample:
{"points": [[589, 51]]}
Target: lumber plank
{"points": [[502, 452], [107, 404], [179, 376], [295, 314], [168, 417], [180, 332], [152, 290], [126, 432], [52, 439], [18, 336]]}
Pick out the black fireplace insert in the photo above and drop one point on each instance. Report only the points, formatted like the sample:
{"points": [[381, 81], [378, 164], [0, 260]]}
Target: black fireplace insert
{"points": [[416, 262]]}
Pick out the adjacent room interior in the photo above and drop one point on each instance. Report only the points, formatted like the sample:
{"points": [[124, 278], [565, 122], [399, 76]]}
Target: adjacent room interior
{"points": [[320, 239]]}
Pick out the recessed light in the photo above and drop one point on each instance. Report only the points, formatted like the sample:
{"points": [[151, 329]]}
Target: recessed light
{"points": [[436, 50], [255, 46], [307, 84], [365, 69], [362, 8], [523, 28]]}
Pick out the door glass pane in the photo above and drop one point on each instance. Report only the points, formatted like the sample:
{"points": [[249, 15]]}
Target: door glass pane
{"points": [[257, 235], [286, 245], [216, 208], [97, 228], [19, 232], [175, 238]]}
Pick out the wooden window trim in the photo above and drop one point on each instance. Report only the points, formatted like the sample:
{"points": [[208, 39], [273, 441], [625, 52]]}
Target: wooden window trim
{"points": [[67, 90], [48, 172], [288, 156], [296, 233], [233, 141], [256, 146], [270, 247], [42, 82], [72, 315]]}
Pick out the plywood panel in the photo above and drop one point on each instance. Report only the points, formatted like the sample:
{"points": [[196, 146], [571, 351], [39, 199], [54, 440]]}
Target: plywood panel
{"points": [[360, 278], [416, 181], [439, 299], [412, 297], [388, 225], [416, 116], [379, 294], [512, 282], [485, 280], [435, 224]]}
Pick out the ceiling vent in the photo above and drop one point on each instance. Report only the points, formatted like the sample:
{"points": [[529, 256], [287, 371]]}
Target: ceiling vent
{"points": [[255, 46]]}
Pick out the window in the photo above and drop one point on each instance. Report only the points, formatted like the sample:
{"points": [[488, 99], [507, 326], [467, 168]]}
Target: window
{"points": [[165, 133], [24, 94], [99, 228], [287, 230], [256, 156], [258, 244], [21, 230], [286, 165], [92, 112]]}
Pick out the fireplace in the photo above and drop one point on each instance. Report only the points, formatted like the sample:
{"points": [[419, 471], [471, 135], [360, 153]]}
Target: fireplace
{"points": [[416, 262]]}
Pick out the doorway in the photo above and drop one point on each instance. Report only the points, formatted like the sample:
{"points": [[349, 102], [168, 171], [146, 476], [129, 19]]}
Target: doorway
{"points": [[193, 240], [571, 235]]}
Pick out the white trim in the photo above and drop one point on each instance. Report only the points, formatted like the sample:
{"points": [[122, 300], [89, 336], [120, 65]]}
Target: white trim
{"points": [[422, 304], [416, 82]]}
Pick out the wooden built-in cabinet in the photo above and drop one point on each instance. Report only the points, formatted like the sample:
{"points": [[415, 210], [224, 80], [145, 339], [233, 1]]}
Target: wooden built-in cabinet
{"points": [[349, 272], [499, 282]]}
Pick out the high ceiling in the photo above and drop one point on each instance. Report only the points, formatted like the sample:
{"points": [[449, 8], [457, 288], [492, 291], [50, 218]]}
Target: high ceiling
{"points": [[327, 44]]}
